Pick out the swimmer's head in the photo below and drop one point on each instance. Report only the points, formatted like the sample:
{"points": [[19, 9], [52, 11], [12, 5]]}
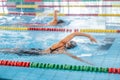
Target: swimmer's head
{"points": [[60, 22], [71, 44]]}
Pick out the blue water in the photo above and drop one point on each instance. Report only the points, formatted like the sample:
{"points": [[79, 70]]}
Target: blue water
{"points": [[40, 39], [18, 20]]}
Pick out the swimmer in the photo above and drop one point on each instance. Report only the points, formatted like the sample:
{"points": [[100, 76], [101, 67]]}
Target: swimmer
{"points": [[55, 20], [57, 48]]}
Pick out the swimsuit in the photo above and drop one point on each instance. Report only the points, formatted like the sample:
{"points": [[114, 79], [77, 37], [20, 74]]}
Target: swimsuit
{"points": [[31, 51], [52, 50], [56, 49]]}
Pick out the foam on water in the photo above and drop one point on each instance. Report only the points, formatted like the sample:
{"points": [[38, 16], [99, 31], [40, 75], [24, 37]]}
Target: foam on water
{"points": [[41, 16]]}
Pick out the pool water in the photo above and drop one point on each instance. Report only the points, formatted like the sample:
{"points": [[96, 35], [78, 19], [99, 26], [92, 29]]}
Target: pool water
{"points": [[96, 53], [18, 20]]}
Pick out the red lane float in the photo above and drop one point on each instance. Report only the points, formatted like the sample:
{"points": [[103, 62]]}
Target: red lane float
{"points": [[113, 70], [118, 70], [52, 29], [14, 63], [118, 31]]}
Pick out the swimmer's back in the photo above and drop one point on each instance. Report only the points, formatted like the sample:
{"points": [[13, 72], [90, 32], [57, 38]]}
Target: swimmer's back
{"points": [[19, 51], [32, 51]]}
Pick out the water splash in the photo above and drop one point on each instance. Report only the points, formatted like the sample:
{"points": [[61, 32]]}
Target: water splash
{"points": [[41, 16]]}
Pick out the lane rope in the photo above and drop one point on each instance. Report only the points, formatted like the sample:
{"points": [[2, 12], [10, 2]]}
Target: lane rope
{"points": [[60, 14], [58, 29], [43, 6], [59, 66]]}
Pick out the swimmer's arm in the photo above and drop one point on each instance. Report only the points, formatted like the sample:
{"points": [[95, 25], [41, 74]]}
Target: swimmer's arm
{"points": [[92, 39], [77, 58], [72, 35], [9, 50], [55, 15], [55, 19]]}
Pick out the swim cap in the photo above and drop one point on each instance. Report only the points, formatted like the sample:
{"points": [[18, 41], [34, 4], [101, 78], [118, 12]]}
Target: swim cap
{"points": [[72, 45], [60, 21]]}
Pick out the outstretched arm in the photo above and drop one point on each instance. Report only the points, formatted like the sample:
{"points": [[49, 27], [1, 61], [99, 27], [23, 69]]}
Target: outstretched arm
{"points": [[77, 58], [55, 15], [72, 35], [54, 20], [9, 50]]}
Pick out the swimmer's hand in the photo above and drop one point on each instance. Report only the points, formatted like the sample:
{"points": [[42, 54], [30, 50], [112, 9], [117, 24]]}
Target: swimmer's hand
{"points": [[92, 39], [56, 11], [77, 58]]}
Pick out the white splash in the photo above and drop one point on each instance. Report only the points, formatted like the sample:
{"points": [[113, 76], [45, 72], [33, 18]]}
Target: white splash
{"points": [[84, 55]]}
